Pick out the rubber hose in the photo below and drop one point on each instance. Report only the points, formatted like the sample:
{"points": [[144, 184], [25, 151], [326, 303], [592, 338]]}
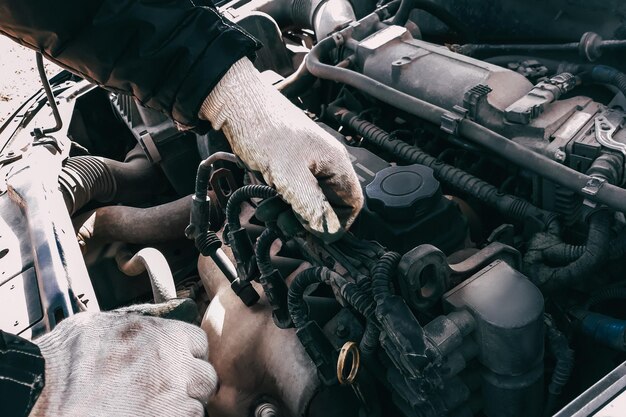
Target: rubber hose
{"points": [[203, 175], [87, 178], [140, 226], [369, 340], [605, 330], [296, 83], [473, 49], [565, 253], [606, 294], [595, 253], [295, 298], [608, 194], [607, 75], [381, 276], [563, 368], [360, 300], [509, 205], [437, 10], [152, 261], [263, 245], [243, 194]]}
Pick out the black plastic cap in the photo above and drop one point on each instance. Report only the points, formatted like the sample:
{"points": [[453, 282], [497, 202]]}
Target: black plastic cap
{"points": [[403, 193]]}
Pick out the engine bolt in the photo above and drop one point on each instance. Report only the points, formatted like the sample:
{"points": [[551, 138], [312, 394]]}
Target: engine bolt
{"points": [[559, 155], [341, 330]]}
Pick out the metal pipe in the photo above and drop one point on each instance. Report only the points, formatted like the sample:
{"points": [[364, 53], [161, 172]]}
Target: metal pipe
{"points": [[51, 99]]}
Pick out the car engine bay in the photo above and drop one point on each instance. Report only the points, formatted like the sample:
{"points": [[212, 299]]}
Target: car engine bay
{"points": [[483, 277]]}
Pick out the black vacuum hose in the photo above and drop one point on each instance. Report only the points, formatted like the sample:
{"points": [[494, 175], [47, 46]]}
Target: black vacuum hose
{"points": [[243, 194], [263, 245], [381, 276], [295, 298], [511, 206]]}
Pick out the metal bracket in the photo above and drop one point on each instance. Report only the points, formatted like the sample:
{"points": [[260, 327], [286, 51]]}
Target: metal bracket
{"points": [[48, 140], [604, 135], [593, 186], [147, 143], [450, 121], [9, 157]]}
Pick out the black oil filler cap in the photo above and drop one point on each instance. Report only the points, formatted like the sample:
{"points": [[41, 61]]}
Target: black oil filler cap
{"points": [[403, 193]]}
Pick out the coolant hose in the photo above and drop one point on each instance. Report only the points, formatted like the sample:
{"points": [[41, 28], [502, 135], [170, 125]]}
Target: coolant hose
{"points": [[607, 75], [243, 194], [511, 206], [87, 178], [140, 226], [381, 276], [152, 261], [605, 330], [608, 194]]}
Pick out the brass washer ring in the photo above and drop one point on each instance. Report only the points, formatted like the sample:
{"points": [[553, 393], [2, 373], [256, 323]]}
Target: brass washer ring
{"points": [[349, 348]]}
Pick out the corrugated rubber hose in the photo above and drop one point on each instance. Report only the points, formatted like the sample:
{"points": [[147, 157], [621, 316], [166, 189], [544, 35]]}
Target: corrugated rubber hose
{"points": [[87, 178]]}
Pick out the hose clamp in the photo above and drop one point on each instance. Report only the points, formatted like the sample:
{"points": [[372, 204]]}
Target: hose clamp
{"points": [[593, 186], [450, 121]]}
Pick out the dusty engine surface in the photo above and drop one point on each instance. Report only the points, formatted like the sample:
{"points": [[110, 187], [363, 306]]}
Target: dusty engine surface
{"points": [[484, 275]]}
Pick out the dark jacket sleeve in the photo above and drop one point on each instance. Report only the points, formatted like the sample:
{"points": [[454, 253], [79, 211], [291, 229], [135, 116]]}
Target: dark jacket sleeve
{"points": [[21, 375], [169, 54]]}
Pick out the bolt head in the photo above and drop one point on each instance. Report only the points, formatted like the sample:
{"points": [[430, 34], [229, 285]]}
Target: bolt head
{"points": [[341, 330], [560, 155]]}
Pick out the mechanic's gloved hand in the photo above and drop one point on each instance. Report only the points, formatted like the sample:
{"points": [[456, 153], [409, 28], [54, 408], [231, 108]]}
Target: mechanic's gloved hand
{"points": [[121, 364], [308, 167]]}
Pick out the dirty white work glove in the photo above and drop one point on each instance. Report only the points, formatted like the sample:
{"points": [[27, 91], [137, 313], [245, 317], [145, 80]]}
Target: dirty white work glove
{"points": [[309, 168], [120, 364]]}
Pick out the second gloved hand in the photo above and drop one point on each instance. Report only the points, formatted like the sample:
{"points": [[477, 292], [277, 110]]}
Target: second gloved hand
{"points": [[309, 168], [124, 364]]}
